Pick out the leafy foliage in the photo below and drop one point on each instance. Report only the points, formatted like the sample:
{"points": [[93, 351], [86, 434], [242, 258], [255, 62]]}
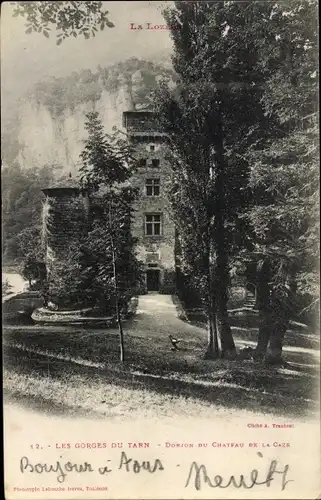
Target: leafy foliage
{"points": [[32, 264], [72, 282], [107, 160], [68, 18], [284, 173], [21, 209], [34, 270], [22, 220]]}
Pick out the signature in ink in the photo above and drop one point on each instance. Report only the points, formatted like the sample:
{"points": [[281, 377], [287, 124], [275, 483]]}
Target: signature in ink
{"points": [[198, 476]]}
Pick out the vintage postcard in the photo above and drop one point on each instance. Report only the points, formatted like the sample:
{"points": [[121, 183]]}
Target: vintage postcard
{"points": [[160, 245]]}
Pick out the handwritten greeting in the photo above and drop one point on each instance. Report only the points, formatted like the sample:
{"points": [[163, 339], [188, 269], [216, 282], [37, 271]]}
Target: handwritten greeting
{"points": [[197, 475]]}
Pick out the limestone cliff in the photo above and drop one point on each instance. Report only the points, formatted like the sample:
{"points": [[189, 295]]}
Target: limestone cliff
{"points": [[52, 117]]}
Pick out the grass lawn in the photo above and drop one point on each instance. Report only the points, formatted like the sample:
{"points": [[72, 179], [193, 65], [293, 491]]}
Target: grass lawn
{"points": [[76, 371]]}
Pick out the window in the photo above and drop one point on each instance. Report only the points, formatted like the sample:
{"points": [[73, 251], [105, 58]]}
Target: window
{"points": [[155, 162], [142, 162], [153, 224], [152, 147], [152, 257], [152, 187]]}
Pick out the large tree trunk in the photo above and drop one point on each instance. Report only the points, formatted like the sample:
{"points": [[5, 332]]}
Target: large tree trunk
{"points": [[265, 330], [283, 307], [265, 310], [275, 310], [265, 313], [222, 248], [274, 352], [282, 313], [212, 351], [227, 343]]}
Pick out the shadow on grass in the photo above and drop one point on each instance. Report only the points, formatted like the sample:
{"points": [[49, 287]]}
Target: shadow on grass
{"points": [[152, 367], [246, 326], [48, 407]]}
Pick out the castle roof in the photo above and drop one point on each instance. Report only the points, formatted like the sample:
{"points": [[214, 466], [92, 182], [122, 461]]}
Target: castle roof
{"points": [[63, 184]]}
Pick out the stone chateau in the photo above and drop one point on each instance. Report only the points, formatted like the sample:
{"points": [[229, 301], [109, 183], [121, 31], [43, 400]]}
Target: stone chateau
{"points": [[152, 224]]}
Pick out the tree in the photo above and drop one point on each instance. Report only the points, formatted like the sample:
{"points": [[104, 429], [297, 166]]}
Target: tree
{"points": [[30, 246], [190, 196], [99, 269], [213, 116], [108, 163], [21, 209], [284, 174], [68, 18]]}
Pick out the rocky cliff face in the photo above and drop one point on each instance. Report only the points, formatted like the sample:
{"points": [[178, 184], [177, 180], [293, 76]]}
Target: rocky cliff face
{"points": [[48, 139], [51, 119]]}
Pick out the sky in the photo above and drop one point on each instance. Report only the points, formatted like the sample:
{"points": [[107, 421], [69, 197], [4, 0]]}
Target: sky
{"points": [[25, 59]]}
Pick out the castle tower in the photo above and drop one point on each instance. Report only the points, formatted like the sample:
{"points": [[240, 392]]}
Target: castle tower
{"points": [[152, 226], [65, 212]]}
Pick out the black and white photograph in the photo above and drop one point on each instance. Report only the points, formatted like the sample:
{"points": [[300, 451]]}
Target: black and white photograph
{"points": [[160, 247]]}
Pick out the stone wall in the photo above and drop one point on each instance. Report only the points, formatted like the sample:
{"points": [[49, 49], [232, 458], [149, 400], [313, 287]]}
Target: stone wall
{"points": [[157, 250], [20, 304], [65, 213], [139, 121]]}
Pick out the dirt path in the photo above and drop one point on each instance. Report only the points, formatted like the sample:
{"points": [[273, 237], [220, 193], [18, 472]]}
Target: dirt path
{"points": [[157, 316]]}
